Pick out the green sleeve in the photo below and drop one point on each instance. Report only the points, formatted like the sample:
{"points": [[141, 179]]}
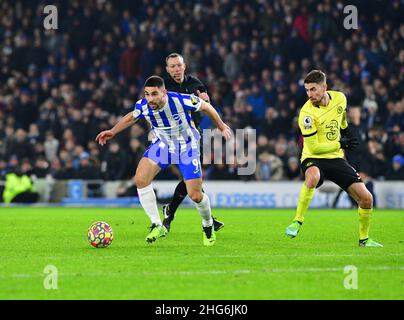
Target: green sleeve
{"points": [[316, 147]]}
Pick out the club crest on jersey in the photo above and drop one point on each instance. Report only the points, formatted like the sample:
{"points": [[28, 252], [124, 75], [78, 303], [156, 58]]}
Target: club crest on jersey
{"points": [[340, 109], [194, 99], [308, 122], [177, 118]]}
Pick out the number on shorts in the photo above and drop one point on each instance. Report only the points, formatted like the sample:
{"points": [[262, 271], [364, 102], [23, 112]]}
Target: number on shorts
{"points": [[195, 162]]}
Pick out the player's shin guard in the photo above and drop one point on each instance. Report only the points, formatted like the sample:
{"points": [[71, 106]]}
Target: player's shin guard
{"points": [[364, 222], [148, 201], [205, 211], [306, 194]]}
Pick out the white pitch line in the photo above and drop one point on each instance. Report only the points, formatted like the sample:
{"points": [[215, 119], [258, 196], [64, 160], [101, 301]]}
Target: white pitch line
{"points": [[274, 270], [201, 272], [359, 255]]}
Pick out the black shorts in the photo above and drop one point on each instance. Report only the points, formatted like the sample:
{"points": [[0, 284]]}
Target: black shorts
{"points": [[336, 170]]}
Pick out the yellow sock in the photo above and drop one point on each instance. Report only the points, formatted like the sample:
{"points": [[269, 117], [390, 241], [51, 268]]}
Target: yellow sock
{"points": [[304, 200], [364, 222]]}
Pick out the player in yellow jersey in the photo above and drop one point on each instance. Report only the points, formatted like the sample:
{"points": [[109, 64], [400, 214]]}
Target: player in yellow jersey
{"points": [[324, 126]]}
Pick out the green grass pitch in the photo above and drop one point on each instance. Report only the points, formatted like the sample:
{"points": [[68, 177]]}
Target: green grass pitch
{"points": [[252, 258]]}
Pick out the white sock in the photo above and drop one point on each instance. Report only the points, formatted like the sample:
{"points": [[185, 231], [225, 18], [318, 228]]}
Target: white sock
{"points": [[148, 201], [204, 210]]}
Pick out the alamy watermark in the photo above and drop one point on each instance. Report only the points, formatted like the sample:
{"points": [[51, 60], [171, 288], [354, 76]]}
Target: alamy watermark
{"points": [[351, 20], [184, 148], [240, 149], [351, 280], [51, 277], [51, 20]]}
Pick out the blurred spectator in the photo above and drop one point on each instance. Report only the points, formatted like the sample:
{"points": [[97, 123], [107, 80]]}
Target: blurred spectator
{"points": [[19, 187], [24, 110], [375, 165], [89, 171], [128, 65], [33, 134], [20, 146], [356, 128], [133, 156], [271, 123], [41, 168], [396, 171], [257, 101], [269, 167], [115, 161], [56, 169], [220, 172], [3, 169], [66, 172], [51, 145], [293, 169], [232, 62], [263, 145]]}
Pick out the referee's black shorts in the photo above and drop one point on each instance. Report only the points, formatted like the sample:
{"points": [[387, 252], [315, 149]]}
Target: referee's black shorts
{"points": [[336, 170]]}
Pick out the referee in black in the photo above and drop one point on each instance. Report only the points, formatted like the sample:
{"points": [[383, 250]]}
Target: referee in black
{"points": [[178, 81]]}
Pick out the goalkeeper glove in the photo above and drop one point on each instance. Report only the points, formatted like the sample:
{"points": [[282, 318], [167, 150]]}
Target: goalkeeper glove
{"points": [[349, 143]]}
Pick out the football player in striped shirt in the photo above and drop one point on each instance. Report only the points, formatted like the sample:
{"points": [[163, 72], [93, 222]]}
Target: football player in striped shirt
{"points": [[176, 141]]}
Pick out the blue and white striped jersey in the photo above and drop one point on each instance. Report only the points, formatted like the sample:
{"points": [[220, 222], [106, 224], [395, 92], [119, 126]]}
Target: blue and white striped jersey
{"points": [[172, 124]]}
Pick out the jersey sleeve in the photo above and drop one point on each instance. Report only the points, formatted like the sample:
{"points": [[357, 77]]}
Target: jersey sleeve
{"points": [[137, 111], [307, 124], [344, 123], [191, 102]]}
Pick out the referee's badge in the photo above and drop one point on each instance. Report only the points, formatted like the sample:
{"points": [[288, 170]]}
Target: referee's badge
{"points": [[308, 122]]}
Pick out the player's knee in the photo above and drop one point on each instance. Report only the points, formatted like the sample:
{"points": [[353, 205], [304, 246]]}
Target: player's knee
{"points": [[196, 196], [141, 181], [312, 180], [366, 201]]}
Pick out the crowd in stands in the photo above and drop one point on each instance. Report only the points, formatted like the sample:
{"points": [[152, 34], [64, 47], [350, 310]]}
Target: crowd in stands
{"points": [[60, 88]]}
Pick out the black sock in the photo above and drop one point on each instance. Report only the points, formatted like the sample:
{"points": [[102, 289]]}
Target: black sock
{"points": [[179, 195]]}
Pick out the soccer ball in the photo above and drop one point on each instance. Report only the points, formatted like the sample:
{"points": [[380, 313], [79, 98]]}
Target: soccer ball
{"points": [[100, 234]]}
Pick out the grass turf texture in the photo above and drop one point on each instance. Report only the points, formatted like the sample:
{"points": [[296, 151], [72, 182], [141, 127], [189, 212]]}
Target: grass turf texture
{"points": [[252, 258]]}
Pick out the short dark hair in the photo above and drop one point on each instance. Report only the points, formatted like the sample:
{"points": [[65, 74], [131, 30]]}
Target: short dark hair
{"points": [[174, 55], [315, 76], [154, 81]]}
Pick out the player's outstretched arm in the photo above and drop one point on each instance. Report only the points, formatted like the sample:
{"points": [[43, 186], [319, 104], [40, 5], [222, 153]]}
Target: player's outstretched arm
{"points": [[214, 116], [125, 122]]}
